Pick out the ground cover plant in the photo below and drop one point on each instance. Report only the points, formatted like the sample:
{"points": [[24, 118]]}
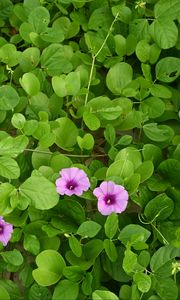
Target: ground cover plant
{"points": [[89, 150]]}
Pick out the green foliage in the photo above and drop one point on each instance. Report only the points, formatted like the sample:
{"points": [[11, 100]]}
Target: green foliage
{"points": [[92, 85]]}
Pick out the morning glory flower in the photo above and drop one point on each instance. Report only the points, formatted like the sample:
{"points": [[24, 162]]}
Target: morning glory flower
{"points": [[73, 181], [111, 198], [6, 230]]}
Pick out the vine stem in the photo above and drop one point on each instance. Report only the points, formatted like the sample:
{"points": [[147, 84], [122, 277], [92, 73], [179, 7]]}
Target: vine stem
{"points": [[69, 155], [94, 58]]}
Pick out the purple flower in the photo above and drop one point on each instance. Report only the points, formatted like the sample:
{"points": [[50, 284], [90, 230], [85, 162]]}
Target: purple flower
{"points": [[111, 198], [73, 181], [6, 230]]}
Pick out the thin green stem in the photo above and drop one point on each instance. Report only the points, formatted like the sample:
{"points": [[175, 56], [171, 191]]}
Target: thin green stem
{"points": [[94, 58], [69, 155]]}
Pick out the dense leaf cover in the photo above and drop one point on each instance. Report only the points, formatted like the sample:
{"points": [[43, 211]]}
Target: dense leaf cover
{"points": [[93, 85]]}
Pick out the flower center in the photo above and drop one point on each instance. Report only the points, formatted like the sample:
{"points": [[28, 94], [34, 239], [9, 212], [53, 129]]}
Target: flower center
{"points": [[1, 229], [110, 199], [71, 185]]}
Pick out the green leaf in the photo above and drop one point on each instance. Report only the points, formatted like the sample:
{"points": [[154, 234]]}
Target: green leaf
{"points": [[9, 98], [4, 295], [18, 120], [29, 59], [75, 245], [31, 244], [170, 169], [66, 85], [153, 107], [132, 183], [40, 192], [66, 290], [9, 55], [131, 230], [121, 168], [55, 59], [129, 261], [143, 282], [159, 208], [39, 18], [167, 10], [164, 33], [50, 266], [87, 142], [152, 152], [30, 83], [66, 133], [37, 292], [89, 229], [110, 250], [103, 295], [143, 51], [168, 69], [59, 161], [161, 261], [91, 121], [110, 134], [158, 90], [123, 11], [125, 292], [13, 257], [73, 273], [166, 288], [13, 146], [118, 77], [9, 168], [130, 153], [158, 133], [111, 225], [145, 170]]}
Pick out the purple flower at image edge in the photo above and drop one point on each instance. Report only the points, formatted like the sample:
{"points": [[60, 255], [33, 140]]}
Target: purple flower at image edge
{"points": [[6, 230], [111, 198], [73, 181]]}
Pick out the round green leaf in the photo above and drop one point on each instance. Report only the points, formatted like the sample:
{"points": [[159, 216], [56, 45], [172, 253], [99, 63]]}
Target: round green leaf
{"points": [[145, 170], [66, 290], [89, 229], [121, 168], [4, 295], [87, 142], [164, 33], [158, 90], [159, 208], [29, 59], [9, 98], [91, 121], [59, 161], [143, 282], [50, 266], [40, 192], [118, 77], [9, 168], [39, 18], [168, 69], [130, 153], [18, 120], [30, 83], [158, 133], [143, 51], [66, 133], [104, 295], [153, 107]]}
